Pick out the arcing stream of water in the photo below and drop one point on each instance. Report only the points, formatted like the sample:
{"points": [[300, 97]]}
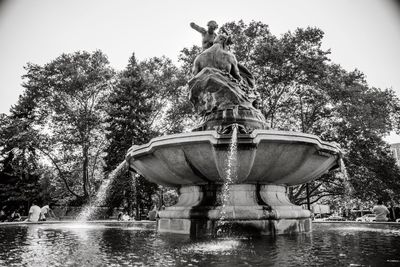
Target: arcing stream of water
{"points": [[101, 194], [345, 176], [348, 187]]}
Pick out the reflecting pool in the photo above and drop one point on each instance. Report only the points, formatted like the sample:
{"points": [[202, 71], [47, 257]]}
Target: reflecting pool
{"points": [[136, 245]]}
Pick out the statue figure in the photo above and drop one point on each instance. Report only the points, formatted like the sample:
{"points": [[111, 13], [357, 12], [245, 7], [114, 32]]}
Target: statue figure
{"points": [[220, 83], [217, 57], [208, 40], [217, 83], [208, 35]]}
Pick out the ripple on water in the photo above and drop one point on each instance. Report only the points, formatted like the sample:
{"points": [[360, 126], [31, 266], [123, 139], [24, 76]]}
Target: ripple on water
{"points": [[214, 246], [355, 229]]}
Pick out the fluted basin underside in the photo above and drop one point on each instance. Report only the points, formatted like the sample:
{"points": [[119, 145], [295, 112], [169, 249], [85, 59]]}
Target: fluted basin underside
{"points": [[264, 157]]}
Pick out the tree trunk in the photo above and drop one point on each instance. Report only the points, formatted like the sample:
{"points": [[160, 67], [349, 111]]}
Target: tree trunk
{"points": [[137, 206], [60, 172], [137, 199], [131, 193], [308, 196], [85, 172]]}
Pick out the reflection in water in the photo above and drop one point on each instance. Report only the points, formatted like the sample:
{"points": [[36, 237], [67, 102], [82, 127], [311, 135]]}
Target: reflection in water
{"points": [[50, 245], [99, 245], [355, 230], [214, 246]]}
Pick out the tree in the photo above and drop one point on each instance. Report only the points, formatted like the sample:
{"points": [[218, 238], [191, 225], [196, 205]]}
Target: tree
{"points": [[366, 116], [359, 118], [129, 115], [169, 85], [68, 97], [19, 162]]}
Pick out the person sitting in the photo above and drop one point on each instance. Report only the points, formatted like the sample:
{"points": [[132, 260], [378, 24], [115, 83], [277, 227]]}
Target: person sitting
{"points": [[15, 216], [120, 216], [125, 216], [46, 212], [381, 212], [3, 216], [34, 212], [153, 214]]}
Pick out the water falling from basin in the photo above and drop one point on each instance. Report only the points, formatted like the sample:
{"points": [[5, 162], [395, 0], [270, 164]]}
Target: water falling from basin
{"points": [[345, 177], [348, 187], [88, 211], [231, 174]]}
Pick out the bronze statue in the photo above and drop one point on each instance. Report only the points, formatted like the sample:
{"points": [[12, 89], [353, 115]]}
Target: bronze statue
{"points": [[217, 84], [208, 35], [220, 84], [217, 57], [208, 40]]}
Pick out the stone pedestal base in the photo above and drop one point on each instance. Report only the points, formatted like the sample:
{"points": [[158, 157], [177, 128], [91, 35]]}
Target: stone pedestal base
{"points": [[249, 209], [198, 228]]}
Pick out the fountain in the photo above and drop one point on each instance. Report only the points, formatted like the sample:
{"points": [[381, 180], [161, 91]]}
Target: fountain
{"points": [[232, 173], [223, 93]]}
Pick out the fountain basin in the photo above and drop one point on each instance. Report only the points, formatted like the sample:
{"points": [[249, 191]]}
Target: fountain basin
{"points": [[264, 156]]}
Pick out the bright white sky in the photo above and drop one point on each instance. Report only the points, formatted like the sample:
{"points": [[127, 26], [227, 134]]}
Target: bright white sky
{"points": [[363, 34]]}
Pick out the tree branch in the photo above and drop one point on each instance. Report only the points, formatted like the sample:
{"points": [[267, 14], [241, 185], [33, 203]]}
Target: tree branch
{"points": [[59, 171], [314, 200]]}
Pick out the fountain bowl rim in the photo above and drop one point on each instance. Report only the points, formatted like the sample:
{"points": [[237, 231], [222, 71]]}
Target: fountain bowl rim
{"points": [[216, 138]]}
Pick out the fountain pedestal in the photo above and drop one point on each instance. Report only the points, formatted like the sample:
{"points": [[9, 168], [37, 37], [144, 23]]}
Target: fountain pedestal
{"points": [[250, 209]]}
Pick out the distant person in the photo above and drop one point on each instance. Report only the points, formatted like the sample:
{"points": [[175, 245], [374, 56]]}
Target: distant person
{"points": [[34, 212], [153, 214], [46, 212], [15, 216], [381, 212], [392, 212], [120, 216], [125, 216], [3, 216]]}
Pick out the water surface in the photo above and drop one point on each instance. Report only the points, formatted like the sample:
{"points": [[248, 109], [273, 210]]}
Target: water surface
{"points": [[101, 245]]}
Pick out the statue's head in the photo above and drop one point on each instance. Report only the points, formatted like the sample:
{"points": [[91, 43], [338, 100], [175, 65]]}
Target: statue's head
{"points": [[220, 39], [223, 40], [212, 25]]}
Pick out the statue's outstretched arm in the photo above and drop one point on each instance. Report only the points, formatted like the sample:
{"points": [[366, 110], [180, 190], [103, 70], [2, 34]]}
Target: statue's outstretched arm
{"points": [[198, 28]]}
